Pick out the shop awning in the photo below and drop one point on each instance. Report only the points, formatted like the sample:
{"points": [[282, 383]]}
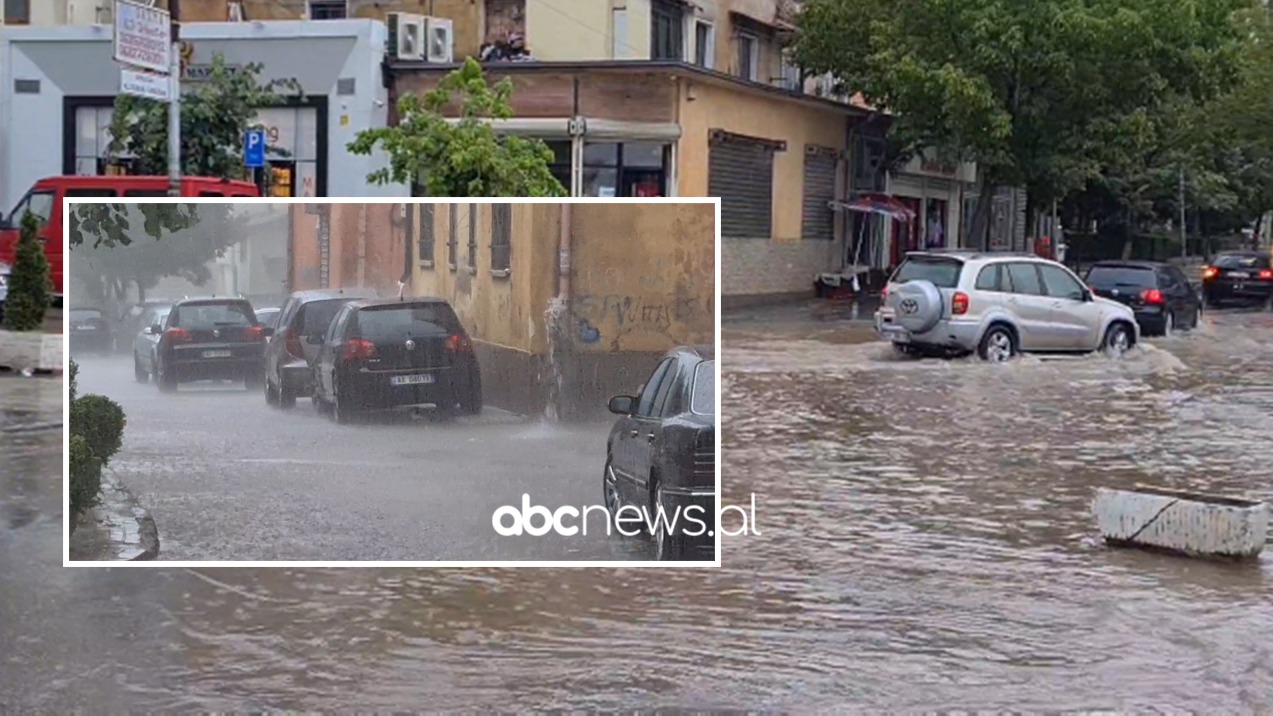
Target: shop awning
{"points": [[881, 204]]}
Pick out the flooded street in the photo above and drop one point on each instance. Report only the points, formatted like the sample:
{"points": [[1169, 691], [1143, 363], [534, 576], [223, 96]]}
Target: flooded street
{"points": [[925, 542]]}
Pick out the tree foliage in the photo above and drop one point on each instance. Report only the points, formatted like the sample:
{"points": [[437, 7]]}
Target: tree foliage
{"points": [[30, 287], [467, 157]]}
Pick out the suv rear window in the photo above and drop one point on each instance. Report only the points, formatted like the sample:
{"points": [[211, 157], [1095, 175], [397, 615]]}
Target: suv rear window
{"points": [[213, 315], [943, 273], [316, 316], [703, 398], [1132, 276], [402, 321], [1238, 261]]}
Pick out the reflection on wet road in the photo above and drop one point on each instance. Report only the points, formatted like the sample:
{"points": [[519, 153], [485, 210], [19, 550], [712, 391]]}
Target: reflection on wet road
{"points": [[925, 542]]}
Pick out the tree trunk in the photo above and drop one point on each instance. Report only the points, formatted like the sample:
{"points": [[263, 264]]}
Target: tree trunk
{"points": [[1127, 235], [978, 233]]}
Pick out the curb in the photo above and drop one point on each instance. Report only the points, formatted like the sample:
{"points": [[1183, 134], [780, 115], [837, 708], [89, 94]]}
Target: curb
{"points": [[122, 530]]}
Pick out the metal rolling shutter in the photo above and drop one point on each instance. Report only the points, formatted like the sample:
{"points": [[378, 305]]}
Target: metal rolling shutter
{"points": [[819, 190], [741, 172]]}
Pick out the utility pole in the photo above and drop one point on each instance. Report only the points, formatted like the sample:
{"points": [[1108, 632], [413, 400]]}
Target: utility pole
{"points": [[1184, 236], [174, 103]]}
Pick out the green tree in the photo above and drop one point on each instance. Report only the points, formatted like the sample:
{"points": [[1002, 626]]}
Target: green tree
{"points": [[30, 286], [467, 157], [1037, 92]]}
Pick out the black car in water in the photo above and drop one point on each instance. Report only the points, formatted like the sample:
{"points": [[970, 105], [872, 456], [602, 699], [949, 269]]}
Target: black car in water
{"points": [[662, 453], [384, 354], [1158, 293], [1239, 277], [210, 339], [290, 355], [90, 331]]}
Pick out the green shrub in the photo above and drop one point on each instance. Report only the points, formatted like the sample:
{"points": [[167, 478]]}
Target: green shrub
{"points": [[86, 475], [75, 369], [29, 283], [100, 421]]}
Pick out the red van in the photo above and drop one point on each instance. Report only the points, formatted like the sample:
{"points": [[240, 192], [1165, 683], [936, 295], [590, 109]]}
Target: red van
{"points": [[45, 201]]}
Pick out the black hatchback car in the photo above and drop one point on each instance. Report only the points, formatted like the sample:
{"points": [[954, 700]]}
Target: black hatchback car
{"points": [[662, 454], [209, 339], [384, 354], [1239, 277], [1158, 293]]}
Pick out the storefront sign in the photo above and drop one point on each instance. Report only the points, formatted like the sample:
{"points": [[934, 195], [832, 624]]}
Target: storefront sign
{"points": [[144, 84], [203, 73], [142, 37]]}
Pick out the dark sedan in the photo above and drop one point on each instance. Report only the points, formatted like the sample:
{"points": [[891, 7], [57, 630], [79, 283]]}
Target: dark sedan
{"points": [[90, 330], [661, 454], [385, 354], [1239, 277], [1158, 293]]}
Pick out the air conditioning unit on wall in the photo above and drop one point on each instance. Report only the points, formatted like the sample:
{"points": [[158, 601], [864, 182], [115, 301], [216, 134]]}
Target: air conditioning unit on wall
{"points": [[406, 36], [440, 39]]}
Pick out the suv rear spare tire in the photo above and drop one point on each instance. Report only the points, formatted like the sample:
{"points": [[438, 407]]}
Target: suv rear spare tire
{"points": [[917, 305]]}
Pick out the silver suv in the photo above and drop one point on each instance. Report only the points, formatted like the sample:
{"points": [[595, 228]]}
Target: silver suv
{"points": [[997, 305]]}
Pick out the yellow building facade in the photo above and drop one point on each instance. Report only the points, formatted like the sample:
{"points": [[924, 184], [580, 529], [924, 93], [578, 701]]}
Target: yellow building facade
{"points": [[568, 304]]}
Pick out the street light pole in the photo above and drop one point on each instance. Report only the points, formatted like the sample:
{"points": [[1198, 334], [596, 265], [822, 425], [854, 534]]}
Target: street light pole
{"points": [[1184, 237], [174, 103]]}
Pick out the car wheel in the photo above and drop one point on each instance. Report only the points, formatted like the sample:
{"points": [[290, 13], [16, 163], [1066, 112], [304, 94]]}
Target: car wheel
{"points": [[667, 547], [1118, 340], [286, 398], [1169, 325], [340, 412], [271, 397], [167, 382], [999, 345], [907, 351], [610, 491], [140, 373]]}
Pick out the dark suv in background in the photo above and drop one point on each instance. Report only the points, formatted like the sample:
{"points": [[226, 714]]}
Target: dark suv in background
{"points": [[382, 354], [210, 339], [1158, 293], [1243, 277], [290, 355]]}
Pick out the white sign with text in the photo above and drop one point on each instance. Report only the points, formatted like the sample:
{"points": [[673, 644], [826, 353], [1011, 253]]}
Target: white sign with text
{"points": [[144, 84], [143, 37]]}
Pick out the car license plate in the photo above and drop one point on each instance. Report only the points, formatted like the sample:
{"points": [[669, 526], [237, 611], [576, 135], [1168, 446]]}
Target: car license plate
{"points": [[1237, 287], [411, 379], [1239, 274], [217, 354], [82, 328]]}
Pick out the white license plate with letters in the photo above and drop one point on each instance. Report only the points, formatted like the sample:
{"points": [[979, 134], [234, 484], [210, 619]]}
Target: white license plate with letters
{"points": [[217, 354], [1239, 274], [411, 379]]}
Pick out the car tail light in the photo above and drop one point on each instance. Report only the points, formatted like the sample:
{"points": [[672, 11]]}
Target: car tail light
{"points": [[959, 303], [292, 342], [883, 294], [179, 335], [1152, 295], [1266, 274], [1209, 272], [256, 333], [358, 349], [459, 343]]}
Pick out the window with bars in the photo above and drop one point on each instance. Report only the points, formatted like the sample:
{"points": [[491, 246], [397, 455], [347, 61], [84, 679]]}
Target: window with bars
{"points": [[472, 237], [453, 240], [502, 237], [328, 10], [425, 235]]}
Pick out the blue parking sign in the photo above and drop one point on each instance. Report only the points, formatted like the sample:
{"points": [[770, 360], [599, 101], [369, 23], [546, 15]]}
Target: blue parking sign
{"points": [[254, 148]]}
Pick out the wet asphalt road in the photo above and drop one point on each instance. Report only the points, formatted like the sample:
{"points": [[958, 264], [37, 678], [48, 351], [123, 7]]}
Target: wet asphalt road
{"points": [[227, 477], [925, 544]]}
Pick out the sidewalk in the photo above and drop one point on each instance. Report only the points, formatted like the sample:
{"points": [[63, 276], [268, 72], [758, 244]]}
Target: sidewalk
{"points": [[117, 530]]}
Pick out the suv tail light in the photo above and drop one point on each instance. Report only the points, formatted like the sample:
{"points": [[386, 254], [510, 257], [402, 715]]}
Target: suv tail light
{"points": [[256, 333], [959, 303], [1266, 274], [179, 335], [358, 349], [1152, 295], [292, 342], [883, 294], [459, 343], [1209, 272]]}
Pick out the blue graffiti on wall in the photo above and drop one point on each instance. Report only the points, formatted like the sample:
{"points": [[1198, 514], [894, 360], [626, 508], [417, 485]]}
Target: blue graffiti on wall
{"points": [[588, 333]]}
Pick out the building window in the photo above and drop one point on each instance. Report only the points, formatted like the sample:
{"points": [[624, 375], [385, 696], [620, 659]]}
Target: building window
{"points": [[472, 237], [17, 12], [740, 170], [667, 32], [704, 44], [629, 169], [868, 164], [426, 233], [748, 56], [328, 10], [453, 240], [502, 237]]}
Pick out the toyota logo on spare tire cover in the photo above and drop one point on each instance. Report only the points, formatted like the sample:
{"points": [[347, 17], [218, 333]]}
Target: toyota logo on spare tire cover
{"points": [[919, 305]]}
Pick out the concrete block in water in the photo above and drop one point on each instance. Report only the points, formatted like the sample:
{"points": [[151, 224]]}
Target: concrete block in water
{"points": [[1184, 522]]}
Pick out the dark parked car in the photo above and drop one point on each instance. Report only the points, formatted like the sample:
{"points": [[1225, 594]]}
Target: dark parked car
{"points": [[1242, 277], [662, 452], [383, 354], [1158, 293], [289, 359], [210, 339], [90, 331], [146, 343]]}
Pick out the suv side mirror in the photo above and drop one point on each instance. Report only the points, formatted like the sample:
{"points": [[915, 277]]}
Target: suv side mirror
{"points": [[155, 330], [267, 331], [621, 405], [314, 339]]}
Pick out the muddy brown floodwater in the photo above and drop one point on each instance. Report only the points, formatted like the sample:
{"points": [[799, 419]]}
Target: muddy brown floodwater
{"points": [[925, 543]]}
